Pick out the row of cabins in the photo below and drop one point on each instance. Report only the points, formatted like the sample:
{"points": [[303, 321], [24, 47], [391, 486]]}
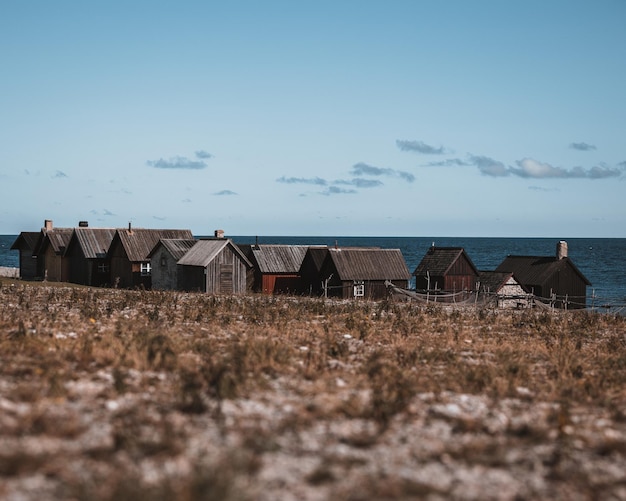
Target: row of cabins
{"points": [[175, 260], [553, 280]]}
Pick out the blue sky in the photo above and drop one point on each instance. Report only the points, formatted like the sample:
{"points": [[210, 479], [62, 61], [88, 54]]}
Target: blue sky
{"points": [[395, 118]]}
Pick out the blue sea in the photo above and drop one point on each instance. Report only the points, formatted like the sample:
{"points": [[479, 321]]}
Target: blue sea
{"points": [[601, 260]]}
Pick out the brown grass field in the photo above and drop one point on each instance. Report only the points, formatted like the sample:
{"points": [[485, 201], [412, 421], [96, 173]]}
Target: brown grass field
{"points": [[111, 394]]}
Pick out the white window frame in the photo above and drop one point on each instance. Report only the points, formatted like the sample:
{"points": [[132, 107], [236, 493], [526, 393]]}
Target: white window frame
{"points": [[359, 289], [146, 269]]}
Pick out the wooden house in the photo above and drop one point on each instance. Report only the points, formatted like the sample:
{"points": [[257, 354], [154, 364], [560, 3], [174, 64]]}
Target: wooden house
{"points": [[502, 290], [50, 252], [25, 244], [129, 252], [310, 271], [446, 269], [551, 279], [163, 261], [216, 266], [362, 272], [276, 268], [87, 255]]}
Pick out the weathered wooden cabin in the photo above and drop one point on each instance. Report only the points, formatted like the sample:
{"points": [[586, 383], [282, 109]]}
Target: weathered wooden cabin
{"points": [[128, 254], [362, 272], [551, 279], [25, 244], [446, 269], [276, 267], [86, 253], [163, 261], [50, 252], [310, 270], [502, 290], [216, 266]]}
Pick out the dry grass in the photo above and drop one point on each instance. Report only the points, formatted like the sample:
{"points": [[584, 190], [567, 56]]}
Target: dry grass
{"points": [[114, 394]]}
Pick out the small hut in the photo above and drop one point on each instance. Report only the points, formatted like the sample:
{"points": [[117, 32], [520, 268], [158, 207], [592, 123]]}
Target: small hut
{"points": [[215, 266]]}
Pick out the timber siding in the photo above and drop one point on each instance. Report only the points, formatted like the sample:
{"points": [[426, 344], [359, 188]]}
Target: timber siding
{"points": [[25, 243], [164, 258], [447, 269], [130, 249], [363, 272], [544, 276], [214, 266], [87, 254], [50, 253], [276, 267]]}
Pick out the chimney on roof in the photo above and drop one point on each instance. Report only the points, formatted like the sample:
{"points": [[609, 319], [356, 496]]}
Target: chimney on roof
{"points": [[219, 233], [561, 249], [47, 224], [83, 224], [130, 227]]}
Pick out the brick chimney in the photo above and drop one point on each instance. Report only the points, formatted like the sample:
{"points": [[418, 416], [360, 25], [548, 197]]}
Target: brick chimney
{"points": [[561, 249], [47, 225], [219, 233]]}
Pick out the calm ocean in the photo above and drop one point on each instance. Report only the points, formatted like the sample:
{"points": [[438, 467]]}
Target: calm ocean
{"points": [[601, 260]]}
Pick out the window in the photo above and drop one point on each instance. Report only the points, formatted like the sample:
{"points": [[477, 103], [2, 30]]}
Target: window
{"points": [[103, 268], [163, 261], [359, 289], [145, 269]]}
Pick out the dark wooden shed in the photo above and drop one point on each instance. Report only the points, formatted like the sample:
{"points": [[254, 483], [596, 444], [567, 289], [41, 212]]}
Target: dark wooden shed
{"points": [[216, 266], [446, 269], [50, 252], [25, 244], [276, 267], [551, 279], [362, 272], [87, 255], [310, 270], [163, 260], [129, 254]]}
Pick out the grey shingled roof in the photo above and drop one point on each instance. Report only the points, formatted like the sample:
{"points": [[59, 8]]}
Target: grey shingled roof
{"points": [[140, 241], [438, 260], [177, 247], [537, 269], [369, 264], [493, 281], [279, 258], [204, 251], [26, 238], [94, 242]]}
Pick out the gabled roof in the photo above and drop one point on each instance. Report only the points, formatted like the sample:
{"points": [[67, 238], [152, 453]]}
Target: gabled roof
{"points": [[58, 238], [204, 251], [177, 247], [278, 258], [317, 255], [369, 264], [493, 281], [138, 242], [94, 242], [536, 270], [26, 240], [438, 260]]}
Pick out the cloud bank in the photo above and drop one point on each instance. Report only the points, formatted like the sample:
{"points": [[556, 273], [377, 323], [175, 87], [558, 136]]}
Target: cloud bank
{"points": [[180, 162], [582, 146], [363, 169], [420, 147]]}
